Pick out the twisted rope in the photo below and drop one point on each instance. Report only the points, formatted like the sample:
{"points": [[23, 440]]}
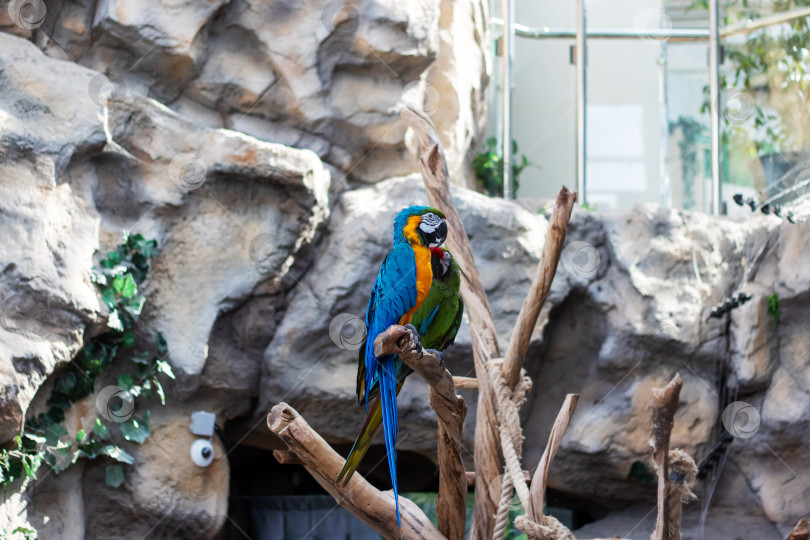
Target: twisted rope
{"points": [[511, 435], [550, 529]]}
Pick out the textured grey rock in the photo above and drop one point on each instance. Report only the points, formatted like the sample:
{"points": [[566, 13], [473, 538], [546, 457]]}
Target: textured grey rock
{"points": [[82, 161], [318, 74], [47, 300]]}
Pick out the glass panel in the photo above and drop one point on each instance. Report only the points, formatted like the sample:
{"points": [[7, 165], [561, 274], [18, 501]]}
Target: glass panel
{"points": [[631, 156], [766, 119]]}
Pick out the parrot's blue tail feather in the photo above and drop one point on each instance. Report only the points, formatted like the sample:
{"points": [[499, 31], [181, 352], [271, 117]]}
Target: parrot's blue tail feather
{"points": [[388, 396]]}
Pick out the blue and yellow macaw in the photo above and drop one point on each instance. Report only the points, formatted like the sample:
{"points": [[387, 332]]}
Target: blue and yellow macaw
{"points": [[401, 287], [437, 321]]}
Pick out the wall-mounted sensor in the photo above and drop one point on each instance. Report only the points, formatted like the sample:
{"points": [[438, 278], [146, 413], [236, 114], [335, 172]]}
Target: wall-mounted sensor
{"points": [[202, 452], [202, 423]]}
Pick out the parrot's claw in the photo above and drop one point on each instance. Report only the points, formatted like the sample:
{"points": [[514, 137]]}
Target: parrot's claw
{"points": [[417, 348], [440, 356]]}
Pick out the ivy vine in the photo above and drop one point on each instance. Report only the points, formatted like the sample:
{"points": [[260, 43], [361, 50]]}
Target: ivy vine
{"points": [[489, 165], [44, 439]]}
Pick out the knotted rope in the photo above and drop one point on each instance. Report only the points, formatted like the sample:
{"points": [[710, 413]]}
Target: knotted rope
{"points": [[508, 404]]}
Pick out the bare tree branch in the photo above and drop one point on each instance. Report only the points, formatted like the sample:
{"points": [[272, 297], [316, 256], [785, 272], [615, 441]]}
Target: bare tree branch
{"points": [[664, 404], [374, 507], [521, 335], [538, 489]]}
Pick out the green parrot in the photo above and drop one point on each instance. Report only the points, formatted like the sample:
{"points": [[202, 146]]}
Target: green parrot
{"points": [[437, 321]]}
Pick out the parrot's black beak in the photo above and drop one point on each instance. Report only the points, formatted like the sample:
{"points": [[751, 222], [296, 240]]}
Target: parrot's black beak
{"points": [[438, 236]]}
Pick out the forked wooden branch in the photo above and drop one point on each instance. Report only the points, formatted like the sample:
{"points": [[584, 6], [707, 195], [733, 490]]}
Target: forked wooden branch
{"points": [[538, 489], [521, 335], [488, 452], [664, 404], [374, 507], [451, 411]]}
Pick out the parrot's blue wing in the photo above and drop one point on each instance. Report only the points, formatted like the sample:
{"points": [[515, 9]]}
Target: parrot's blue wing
{"points": [[426, 322], [393, 295]]}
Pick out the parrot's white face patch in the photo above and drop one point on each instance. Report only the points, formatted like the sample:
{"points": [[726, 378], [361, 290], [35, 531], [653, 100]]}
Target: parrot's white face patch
{"points": [[433, 228], [429, 222], [445, 262]]}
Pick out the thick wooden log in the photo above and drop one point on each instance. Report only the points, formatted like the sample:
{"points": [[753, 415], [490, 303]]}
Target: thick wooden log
{"points": [[537, 493], [374, 507], [521, 335], [451, 503], [663, 405], [488, 452]]}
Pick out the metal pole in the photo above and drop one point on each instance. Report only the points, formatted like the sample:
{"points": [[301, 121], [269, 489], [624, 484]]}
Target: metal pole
{"points": [[714, 105], [507, 12], [666, 194], [746, 27], [581, 103]]}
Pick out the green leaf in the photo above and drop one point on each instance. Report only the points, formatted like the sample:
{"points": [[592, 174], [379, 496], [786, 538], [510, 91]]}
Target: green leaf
{"points": [[27, 532], [141, 359], [113, 258], [60, 458], [159, 389], [163, 367], [128, 339], [114, 321], [118, 454], [136, 430], [108, 296], [149, 248], [54, 415], [80, 435], [65, 383], [59, 401], [135, 305], [118, 284], [125, 381], [89, 449], [101, 430], [53, 432], [114, 475], [34, 438], [162, 346], [31, 464], [129, 288], [97, 277]]}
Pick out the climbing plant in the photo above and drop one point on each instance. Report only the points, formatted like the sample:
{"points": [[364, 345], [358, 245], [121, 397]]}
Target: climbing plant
{"points": [[692, 132], [773, 308], [768, 59], [44, 439], [488, 167]]}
